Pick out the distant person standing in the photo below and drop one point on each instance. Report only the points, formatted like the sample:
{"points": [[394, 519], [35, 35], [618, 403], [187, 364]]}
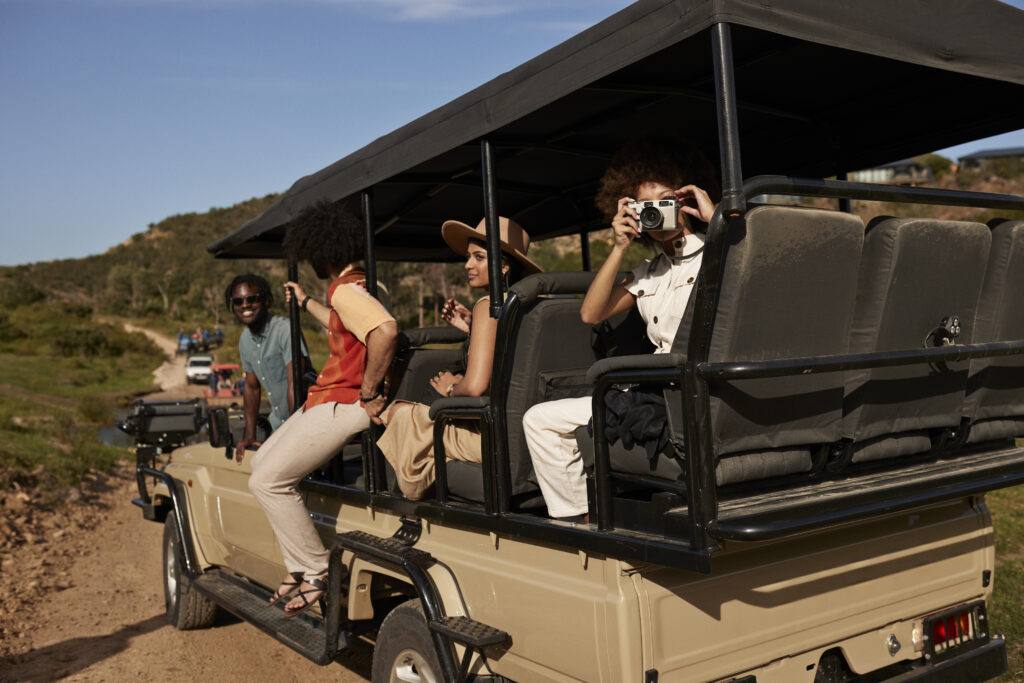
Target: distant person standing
{"points": [[266, 351]]}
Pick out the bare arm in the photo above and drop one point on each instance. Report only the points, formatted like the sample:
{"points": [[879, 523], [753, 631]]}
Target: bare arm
{"points": [[604, 298], [291, 391], [251, 407], [380, 348], [321, 312], [477, 379]]}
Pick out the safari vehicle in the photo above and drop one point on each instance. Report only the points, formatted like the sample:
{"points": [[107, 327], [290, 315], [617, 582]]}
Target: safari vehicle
{"points": [[198, 368], [841, 396]]}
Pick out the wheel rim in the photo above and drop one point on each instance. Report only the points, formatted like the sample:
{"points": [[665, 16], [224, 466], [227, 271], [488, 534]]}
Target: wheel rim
{"points": [[171, 574], [411, 667]]}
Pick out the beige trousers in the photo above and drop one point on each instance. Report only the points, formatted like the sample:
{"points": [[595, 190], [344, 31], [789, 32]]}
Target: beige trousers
{"points": [[307, 440], [408, 444]]}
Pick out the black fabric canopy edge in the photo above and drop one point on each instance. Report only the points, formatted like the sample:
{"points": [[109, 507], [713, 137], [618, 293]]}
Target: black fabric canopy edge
{"points": [[976, 37]]}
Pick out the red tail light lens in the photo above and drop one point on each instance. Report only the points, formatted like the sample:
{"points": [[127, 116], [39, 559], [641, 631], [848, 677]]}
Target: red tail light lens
{"points": [[956, 630], [939, 633]]}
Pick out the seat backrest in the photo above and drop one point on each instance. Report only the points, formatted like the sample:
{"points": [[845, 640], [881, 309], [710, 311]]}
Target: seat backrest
{"points": [[995, 386], [914, 273], [414, 366], [788, 290], [548, 337]]}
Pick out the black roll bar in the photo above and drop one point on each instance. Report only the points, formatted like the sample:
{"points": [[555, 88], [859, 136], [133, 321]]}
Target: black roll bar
{"points": [[366, 199], [811, 187], [585, 250], [296, 336], [733, 202], [493, 228]]}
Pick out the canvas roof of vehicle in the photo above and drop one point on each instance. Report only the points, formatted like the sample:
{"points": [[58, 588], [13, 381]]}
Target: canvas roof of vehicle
{"points": [[823, 88]]}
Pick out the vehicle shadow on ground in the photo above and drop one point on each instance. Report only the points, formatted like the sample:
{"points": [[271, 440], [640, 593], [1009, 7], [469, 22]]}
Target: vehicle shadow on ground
{"points": [[74, 655]]}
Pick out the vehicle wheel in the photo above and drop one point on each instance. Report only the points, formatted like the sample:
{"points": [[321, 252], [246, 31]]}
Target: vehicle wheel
{"points": [[405, 650], [186, 608]]}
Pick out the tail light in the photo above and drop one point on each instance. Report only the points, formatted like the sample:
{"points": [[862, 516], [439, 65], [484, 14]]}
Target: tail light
{"points": [[955, 631]]}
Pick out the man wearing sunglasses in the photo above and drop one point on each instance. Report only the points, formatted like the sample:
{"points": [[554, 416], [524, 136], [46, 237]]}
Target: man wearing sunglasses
{"points": [[266, 351]]}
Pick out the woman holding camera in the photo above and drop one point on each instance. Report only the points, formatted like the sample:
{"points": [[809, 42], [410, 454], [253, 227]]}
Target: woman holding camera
{"points": [[649, 170]]}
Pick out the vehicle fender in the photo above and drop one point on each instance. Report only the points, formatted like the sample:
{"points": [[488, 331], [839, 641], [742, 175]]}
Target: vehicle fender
{"points": [[360, 594]]}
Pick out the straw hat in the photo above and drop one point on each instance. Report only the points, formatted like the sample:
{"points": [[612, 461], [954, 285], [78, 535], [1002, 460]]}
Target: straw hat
{"points": [[514, 240]]}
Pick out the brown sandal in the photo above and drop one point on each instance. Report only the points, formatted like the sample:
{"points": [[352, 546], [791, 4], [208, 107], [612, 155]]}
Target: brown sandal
{"points": [[294, 583], [318, 586]]}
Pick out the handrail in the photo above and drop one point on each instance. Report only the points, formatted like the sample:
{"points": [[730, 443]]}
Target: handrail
{"points": [[811, 365], [811, 187], [867, 503]]}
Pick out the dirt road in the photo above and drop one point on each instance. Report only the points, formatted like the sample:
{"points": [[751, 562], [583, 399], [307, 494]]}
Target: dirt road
{"points": [[81, 597], [170, 376], [82, 601]]}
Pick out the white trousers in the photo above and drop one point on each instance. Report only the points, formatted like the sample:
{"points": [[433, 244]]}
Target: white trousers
{"points": [[307, 440], [549, 429]]}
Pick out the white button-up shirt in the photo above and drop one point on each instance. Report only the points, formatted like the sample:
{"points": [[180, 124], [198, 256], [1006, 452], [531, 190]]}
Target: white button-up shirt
{"points": [[662, 287]]}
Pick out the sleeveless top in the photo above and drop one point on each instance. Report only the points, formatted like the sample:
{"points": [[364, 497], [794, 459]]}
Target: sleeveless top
{"points": [[342, 377]]}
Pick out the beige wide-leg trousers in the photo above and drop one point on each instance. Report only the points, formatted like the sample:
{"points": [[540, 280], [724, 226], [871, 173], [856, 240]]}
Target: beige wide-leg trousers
{"points": [[408, 444], [307, 440], [550, 435]]}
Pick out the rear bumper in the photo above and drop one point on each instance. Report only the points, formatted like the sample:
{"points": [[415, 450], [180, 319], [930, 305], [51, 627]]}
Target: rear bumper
{"points": [[980, 664]]}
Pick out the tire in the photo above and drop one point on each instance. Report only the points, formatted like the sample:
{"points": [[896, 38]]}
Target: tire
{"points": [[405, 651], [186, 608]]}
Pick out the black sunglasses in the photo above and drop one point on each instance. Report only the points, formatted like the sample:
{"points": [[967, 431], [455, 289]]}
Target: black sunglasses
{"points": [[249, 299]]}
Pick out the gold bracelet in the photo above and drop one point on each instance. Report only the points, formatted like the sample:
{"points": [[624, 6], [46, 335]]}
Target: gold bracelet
{"points": [[451, 388]]}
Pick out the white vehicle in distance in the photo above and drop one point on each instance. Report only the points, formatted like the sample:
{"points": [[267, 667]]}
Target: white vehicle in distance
{"points": [[197, 368]]}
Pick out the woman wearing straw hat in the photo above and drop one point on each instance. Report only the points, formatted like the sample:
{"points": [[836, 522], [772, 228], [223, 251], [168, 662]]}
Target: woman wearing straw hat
{"points": [[408, 441]]}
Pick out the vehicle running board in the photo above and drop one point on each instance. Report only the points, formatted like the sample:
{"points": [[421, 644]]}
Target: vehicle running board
{"points": [[304, 633]]}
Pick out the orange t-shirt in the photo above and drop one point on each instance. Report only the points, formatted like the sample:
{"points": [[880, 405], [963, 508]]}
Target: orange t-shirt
{"points": [[354, 314]]}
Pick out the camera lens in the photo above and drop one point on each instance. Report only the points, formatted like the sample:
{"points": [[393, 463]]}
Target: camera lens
{"points": [[650, 218]]}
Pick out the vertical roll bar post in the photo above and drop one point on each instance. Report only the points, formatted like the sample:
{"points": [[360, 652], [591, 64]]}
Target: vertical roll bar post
{"points": [[493, 228], [296, 336]]}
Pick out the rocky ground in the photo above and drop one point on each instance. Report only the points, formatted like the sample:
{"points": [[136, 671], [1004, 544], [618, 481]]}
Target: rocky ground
{"points": [[81, 595]]}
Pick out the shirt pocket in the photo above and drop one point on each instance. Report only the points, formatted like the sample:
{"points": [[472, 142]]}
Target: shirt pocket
{"points": [[646, 293]]}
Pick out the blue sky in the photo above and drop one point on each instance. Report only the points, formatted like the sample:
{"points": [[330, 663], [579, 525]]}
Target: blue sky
{"points": [[118, 113]]}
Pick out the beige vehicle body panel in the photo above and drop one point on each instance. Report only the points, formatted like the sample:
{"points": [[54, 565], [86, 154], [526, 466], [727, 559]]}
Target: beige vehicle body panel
{"points": [[766, 608]]}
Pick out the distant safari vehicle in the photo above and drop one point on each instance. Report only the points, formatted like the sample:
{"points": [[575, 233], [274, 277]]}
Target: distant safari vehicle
{"points": [[841, 395], [197, 368], [226, 386]]}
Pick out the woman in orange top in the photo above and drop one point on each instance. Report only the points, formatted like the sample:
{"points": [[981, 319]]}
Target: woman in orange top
{"points": [[346, 397]]}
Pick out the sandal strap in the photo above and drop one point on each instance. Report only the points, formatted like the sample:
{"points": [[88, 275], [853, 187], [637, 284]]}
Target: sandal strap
{"points": [[319, 586]]}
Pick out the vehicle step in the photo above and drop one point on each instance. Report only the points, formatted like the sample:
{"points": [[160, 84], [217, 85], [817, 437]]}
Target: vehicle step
{"points": [[469, 631], [303, 633], [392, 550]]}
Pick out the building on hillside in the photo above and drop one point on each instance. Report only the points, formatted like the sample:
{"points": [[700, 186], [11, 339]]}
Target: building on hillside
{"points": [[987, 157], [903, 172]]}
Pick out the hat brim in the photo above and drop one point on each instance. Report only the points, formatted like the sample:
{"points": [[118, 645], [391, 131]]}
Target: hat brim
{"points": [[457, 234]]}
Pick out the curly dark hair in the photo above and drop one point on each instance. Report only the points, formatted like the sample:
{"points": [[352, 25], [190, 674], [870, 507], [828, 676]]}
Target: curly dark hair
{"points": [[258, 283], [664, 159], [327, 235]]}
